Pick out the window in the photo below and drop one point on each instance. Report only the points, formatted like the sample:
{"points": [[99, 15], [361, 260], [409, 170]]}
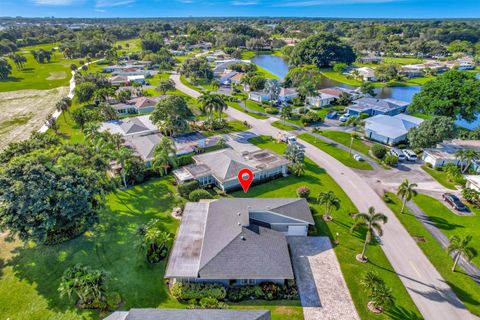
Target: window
{"points": [[247, 281]]}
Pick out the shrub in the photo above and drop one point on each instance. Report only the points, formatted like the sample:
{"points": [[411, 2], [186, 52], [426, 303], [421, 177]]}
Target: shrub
{"points": [[387, 198], [429, 165], [379, 151], [471, 196], [391, 160], [271, 110], [198, 194], [303, 192], [236, 294], [185, 188], [187, 291], [270, 290]]}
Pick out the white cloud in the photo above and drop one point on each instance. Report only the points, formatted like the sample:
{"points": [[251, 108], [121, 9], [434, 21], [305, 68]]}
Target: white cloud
{"points": [[244, 3], [112, 3], [311, 3], [55, 2]]}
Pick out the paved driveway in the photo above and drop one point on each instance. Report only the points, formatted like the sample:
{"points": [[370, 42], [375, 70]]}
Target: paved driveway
{"points": [[323, 292]]}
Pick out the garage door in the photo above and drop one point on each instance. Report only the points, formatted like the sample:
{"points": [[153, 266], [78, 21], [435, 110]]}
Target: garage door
{"points": [[297, 230]]}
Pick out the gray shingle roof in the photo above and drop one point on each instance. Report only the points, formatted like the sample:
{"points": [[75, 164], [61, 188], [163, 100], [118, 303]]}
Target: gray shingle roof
{"points": [[209, 242], [185, 314]]}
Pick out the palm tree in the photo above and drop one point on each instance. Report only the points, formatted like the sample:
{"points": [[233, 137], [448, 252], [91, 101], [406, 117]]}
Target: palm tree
{"points": [[285, 113], [164, 155], [331, 201], [466, 157], [5, 69], [210, 102], [63, 105], [122, 155], [298, 168], [117, 140], [154, 241], [459, 246], [220, 107], [91, 130], [406, 191], [272, 88], [370, 222]]}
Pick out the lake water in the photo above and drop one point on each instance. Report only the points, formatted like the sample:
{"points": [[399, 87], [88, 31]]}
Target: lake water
{"points": [[279, 67]]}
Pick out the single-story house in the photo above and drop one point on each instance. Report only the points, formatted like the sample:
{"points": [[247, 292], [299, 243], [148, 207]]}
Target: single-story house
{"points": [[226, 78], [144, 145], [118, 80], [145, 104], [371, 59], [136, 78], [222, 65], [374, 106], [390, 130], [237, 78], [366, 73], [221, 167], [237, 241], [472, 182], [258, 96], [287, 94], [189, 314], [337, 91], [322, 100], [444, 153], [133, 126]]}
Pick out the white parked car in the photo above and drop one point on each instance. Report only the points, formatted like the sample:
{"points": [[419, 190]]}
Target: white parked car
{"points": [[345, 117], [410, 155], [358, 157], [398, 153]]}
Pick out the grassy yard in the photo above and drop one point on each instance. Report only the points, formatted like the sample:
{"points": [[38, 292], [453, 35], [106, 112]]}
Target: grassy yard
{"points": [[329, 73], [345, 139], [232, 126], [237, 106], [339, 154], [450, 223], [282, 126], [68, 130], [129, 46], [465, 288], [349, 243], [441, 177], [30, 274], [41, 76]]}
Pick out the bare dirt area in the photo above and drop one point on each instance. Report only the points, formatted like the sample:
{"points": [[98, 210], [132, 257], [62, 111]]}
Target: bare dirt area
{"points": [[23, 112]]}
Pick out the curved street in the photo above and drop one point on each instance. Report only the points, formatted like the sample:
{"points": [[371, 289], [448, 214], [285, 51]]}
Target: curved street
{"points": [[432, 295]]}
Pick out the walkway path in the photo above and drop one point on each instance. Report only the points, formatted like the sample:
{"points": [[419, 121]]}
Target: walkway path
{"points": [[323, 291], [471, 269], [432, 295]]}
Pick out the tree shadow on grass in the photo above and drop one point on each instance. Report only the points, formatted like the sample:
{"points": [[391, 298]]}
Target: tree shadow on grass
{"points": [[109, 245], [400, 313], [11, 79], [444, 224]]}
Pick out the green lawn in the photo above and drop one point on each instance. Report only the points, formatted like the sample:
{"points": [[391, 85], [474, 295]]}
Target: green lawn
{"points": [[450, 223], [350, 243], [232, 126], [255, 106], [441, 177], [345, 139], [282, 126], [40, 76], [129, 46], [68, 130], [465, 288], [329, 73], [402, 61], [237, 106], [339, 154]]}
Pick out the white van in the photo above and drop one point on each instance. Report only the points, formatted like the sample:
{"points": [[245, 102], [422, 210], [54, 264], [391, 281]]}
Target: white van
{"points": [[398, 153], [410, 155]]}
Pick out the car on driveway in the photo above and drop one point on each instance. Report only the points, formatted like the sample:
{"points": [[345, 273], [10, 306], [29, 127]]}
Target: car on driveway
{"points": [[358, 157], [344, 118], [398, 153], [410, 155], [454, 201]]}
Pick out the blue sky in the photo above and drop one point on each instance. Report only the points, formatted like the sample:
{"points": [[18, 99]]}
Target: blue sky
{"points": [[196, 8]]}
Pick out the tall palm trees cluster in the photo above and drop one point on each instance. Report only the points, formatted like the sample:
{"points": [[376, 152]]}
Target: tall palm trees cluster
{"points": [[5, 69], [164, 156], [466, 157], [210, 103], [18, 59]]}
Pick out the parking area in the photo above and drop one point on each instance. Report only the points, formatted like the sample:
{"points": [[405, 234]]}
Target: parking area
{"points": [[323, 291]]}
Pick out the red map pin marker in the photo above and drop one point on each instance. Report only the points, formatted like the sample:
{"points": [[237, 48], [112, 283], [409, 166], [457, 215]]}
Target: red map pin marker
{"points": [[245, 177]]}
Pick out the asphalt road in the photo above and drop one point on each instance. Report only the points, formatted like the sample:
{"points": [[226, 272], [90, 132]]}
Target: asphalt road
{"points": [[432, 295]]}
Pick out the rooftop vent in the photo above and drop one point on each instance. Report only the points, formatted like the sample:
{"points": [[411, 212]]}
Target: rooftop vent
{"points": [[239, 213], [242, 237]]}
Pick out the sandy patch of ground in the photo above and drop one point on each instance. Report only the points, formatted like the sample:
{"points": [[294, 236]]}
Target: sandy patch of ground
{"points": [[59, 75], [23, 112]]}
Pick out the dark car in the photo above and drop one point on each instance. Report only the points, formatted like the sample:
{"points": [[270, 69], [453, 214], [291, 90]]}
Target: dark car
{"points": [[455, 202]]}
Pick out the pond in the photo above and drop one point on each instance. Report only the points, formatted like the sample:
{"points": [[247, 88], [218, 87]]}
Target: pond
{"points": [[279, 67]]}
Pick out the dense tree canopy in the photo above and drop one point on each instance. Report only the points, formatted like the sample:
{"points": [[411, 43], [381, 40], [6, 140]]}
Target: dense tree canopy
{"points": [[452, 94], [196, 68], [296, 76], [171, 115], [50, 195], [431, 131], [323, 50]]}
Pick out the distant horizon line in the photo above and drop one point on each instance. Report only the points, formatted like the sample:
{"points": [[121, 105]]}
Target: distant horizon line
{"points": [[246, 17]]}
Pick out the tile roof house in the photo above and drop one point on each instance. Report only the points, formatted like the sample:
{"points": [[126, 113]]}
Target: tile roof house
{"points": [[133, 126], [189, 314], [390, 130], [337, 91], [444, 153], [220, 168], [287, 94], [258, 96], [236, 241], [322, 100], [366, 73], [138, 105], [118, 80], [374, 106]]}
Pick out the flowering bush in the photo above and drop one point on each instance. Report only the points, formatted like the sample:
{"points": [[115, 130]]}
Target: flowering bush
{"points": [[303, 192]]}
